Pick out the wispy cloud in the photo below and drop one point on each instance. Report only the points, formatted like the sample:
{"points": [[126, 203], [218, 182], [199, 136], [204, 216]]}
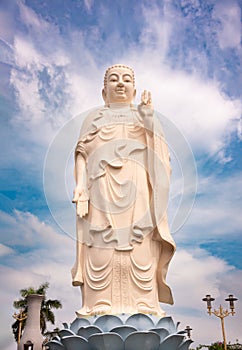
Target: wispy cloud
{"points": [[52, 86], [217, 209], [4, 250], [32, 252], [25, 230], [228, 13], [88, 4], [193, 274], [30, 18]]}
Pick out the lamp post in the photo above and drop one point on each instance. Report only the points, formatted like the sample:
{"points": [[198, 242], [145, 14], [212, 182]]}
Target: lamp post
{"points": [[221, 313]]}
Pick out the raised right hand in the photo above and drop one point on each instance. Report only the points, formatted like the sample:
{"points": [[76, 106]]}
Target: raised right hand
{"points": [[145, 107]]}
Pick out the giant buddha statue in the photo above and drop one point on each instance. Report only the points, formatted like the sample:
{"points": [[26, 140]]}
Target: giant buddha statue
{"points": [[122, 171]]}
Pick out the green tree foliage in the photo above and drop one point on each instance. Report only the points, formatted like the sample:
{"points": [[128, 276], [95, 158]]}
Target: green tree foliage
{"points": [[219, 346], [216, 346], [46, 313]]}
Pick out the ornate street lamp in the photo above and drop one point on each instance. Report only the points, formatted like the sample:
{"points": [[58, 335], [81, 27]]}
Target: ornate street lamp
{"points": [[231, 300], [221, 313], [209, 300], [28, 345]]}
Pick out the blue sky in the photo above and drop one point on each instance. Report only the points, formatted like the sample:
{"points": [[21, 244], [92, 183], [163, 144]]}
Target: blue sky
{"points": [[53, 55]]}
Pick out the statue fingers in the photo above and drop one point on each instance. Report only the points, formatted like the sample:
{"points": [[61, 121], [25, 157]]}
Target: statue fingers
{"points": [[149, 100], [144, 97], [78, 208], [81, 209], [84, 208], [75, 198]]}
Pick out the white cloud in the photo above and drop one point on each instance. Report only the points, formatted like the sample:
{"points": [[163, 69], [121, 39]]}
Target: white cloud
{"points": [[197, 270], [50, 259], [88, 4], [6, 54], [196, 106], [26, 56], [54, 86], [4, 250], [155, 32], [193, 101], [229, 14], [7, 21], [25, 230], [51, 86], [239, 134], [217, 208], [194, 274], [31, 19], [33, 273]]}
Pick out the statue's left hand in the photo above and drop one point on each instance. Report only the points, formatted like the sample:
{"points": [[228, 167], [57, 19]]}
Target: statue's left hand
{"points": [[81, 199], [145, 107]]}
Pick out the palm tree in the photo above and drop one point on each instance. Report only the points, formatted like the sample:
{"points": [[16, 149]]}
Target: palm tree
{"points": [[46, 313]]}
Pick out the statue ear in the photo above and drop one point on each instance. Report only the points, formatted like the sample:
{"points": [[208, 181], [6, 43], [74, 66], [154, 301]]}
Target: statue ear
{"points": [[104, 95]]}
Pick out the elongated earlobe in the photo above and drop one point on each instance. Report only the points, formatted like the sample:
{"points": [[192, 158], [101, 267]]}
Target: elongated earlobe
{"points": [[134, 94], [104, 95]]}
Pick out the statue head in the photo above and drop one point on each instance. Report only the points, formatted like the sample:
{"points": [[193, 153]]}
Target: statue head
{"points": [[119, 85]]}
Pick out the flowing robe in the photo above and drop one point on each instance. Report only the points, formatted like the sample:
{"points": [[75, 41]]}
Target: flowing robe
{"points": [[123, 244]]}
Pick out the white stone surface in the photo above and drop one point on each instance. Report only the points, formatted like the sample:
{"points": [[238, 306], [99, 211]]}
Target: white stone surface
{"points": [[32, 328]]}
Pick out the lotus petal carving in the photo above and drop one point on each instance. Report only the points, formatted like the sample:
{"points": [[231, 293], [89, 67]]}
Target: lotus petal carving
{"points": [[79, 322], [55, 345], [185, 344], [167, 323], [107, 341], [142, 340], [140, 321], [107, 322], [124, 332], [75, 342], [163, 333], [65, 332], [173, 341], [86, 332]]}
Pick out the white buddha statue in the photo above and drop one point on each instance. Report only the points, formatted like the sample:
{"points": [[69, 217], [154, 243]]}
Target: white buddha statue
{"points": [[122, 171]]}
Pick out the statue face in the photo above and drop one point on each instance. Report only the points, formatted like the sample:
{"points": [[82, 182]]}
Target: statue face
{"points": [[120, 86]]}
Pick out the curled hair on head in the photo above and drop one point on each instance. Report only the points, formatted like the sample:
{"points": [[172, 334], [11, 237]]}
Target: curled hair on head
{"points": [[117, 66]]}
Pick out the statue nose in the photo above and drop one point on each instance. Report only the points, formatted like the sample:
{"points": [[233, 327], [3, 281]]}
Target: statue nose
{"points": [[120, 83]]}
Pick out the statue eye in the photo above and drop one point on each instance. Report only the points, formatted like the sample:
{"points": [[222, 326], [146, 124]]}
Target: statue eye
{"points": [[127, 79], [113, 78]]}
